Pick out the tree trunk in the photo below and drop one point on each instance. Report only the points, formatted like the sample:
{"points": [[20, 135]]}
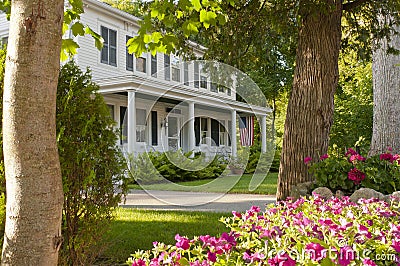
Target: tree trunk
{"points": [[310, 109], [34, 184], [386, 87]]}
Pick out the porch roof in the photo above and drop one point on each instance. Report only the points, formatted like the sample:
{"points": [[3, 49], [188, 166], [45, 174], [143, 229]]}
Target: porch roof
{"points": [[166, 89]]}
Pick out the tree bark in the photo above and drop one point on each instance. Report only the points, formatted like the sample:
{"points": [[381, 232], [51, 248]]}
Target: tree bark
{"points": [[34, 184], [386, 92], [310, 109]]}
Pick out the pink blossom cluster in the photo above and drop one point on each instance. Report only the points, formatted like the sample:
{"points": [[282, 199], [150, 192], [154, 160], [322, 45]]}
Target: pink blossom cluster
{"points": [[304, 232]]}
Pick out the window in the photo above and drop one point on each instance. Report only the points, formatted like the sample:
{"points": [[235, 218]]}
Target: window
{"points": [[203, 82], [141, 64], [176, 72], [186, 73], [213, 87], [196, 75], [154, 65], [140, 125], [229, 91], [129, 57], [221, 89], [109, 50], [222, 133], [167, 70]]}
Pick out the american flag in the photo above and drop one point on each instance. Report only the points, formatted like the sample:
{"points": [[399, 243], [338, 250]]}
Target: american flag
{"points": [[246, 128]]}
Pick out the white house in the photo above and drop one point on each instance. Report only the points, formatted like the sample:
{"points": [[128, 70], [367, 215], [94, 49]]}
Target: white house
{"points": [[159, 102]]}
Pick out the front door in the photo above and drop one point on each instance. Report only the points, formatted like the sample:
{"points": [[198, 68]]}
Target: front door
{"points": [[173, 133]]}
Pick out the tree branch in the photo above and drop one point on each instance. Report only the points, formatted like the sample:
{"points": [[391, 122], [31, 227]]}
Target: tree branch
{"points": [[351, 5]]}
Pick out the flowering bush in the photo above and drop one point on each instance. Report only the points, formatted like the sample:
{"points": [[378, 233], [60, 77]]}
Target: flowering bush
{"points": [[351, 171], [304, 232]]}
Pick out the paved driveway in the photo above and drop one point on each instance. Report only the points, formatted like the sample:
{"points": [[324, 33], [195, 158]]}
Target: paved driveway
{"points": [[194, 201]]}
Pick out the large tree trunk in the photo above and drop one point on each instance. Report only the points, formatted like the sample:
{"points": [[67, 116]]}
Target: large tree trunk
{"points": [[386, 87], [34, 184], [310, 109]]}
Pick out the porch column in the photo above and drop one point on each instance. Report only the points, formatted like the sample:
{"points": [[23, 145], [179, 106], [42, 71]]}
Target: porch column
{"points": [[191, 133], [233, 134], [131, 121], [263, 128]]}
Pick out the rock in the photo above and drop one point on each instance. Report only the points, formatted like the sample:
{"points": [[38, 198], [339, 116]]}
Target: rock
{"points": [[339, 194], [367, 193], [323, 192], [301, 190], [395, 197]]}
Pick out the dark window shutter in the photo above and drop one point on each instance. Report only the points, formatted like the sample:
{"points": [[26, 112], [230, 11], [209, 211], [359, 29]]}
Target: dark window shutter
{"points": [[154, 128], [197, 130]]}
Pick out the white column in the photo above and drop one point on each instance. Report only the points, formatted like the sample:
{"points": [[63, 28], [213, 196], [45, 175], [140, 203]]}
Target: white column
{"points": [[131, 121], [191, 133], [263, 128], [233, 134]]}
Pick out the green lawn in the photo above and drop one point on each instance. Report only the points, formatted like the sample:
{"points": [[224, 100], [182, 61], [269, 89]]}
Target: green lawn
{"points": [[230, 184], [137, 229]]}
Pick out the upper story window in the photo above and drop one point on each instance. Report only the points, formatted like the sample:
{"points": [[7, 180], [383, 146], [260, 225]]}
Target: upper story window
{"points": [[196, 75], [129, 57], [141, 64], [176, 72], [186, 73], [154, 65], [109, 51], [213, 87], [167, 67]]}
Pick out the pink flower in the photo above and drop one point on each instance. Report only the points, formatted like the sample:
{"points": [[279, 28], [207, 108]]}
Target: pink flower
{"points": [[139, 262], [346, 255], [307, 160], [368, 262], [356, 176], [282, 260], [356, 157], [396, 245], [211, 256], [323, 157], [386, 157], [350, 151], [316, 251], [182, 242]]}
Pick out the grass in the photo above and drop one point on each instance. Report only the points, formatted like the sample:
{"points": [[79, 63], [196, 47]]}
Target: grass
{"points": [[230, 184], [137, 229]]}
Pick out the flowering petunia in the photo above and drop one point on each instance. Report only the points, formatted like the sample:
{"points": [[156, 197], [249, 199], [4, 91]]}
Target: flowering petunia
{"points": [[315, 251], [182, 242], [346, 256], [282, 260], [139, 262], [368, 262], [211, 256], [396, 245], [356, 158]]}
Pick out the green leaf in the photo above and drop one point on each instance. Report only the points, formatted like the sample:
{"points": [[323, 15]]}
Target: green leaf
{"points": [[196, 4], [147, 38], [78, 29], [189, 28], [68, 48], [136, 45], [207, 18], [98, 40]]}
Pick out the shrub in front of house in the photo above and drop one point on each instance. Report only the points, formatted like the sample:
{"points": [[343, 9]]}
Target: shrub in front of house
{"points": [[305, 232], [153, 167], [91, 165], [351, 171]]}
